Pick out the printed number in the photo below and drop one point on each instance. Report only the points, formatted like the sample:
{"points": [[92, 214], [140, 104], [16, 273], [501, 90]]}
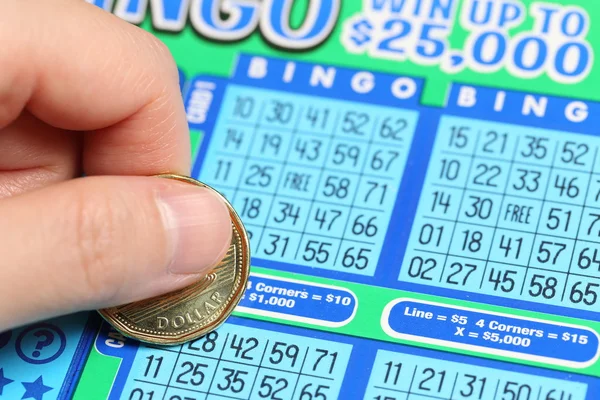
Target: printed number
{"points": [[251, 207], [374, 188], [270, 143], [506, 244], [290, 352], [260, 175], [469, 268], [325, 355], [480, 207], [223, 170], [392, 128], [520, 392], [586, 293], [549, 250], [209, 343], [429, 234], [138, 394], [495, 143], [585, 261], [344, 152], [287, 210], [566, 188], [243, 107], [243, 347], [195, 369], [472, 241], [366, 227], [316, 393], [357, 259], [317, 251], [280, 112], [354, 123], [383, 159], [541, 285], [430, 373], [502, 280], [419, 268], [536, 147], [470, 389], [487, 175], [458, 137], [271, 391], [572, 153], [392, 377], [233, 136], [233, 381], [441, 199], [309, 149], [597, 218], [450, 169], [316, 115], [558, 217], [336, 186], [528, 179], [151, 360], [326, 217], [278, 243]]}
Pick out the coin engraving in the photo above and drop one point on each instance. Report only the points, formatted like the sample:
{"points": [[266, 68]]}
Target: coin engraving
{"points": [[195, 310]]}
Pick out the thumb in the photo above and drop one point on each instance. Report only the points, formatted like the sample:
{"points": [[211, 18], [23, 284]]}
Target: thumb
{"points": [[97, 242]]}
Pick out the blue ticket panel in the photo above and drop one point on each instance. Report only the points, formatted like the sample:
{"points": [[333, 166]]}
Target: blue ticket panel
{"points": [[314, 179], [237, 362], [398, 376], [509, 211]]}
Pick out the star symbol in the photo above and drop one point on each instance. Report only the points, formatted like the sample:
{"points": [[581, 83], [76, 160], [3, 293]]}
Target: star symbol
{"points": [[3, 381], [36, 389]]}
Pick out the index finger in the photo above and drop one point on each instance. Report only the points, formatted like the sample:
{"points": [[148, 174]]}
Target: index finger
{"points": [[79, 68]]}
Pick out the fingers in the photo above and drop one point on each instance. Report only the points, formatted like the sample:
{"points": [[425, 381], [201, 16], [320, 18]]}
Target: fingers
{"points": [[34, 154], [105, 241], [88, 70]]}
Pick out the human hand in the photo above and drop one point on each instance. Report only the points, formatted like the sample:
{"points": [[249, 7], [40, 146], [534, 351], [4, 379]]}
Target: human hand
{"points": [[82, 91]]}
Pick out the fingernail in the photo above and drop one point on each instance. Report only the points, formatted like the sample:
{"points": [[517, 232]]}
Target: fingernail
{"points": [[198, 227]]}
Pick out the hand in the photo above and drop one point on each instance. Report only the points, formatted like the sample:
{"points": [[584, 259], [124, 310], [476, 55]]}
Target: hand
{"points": [[82, 91]]}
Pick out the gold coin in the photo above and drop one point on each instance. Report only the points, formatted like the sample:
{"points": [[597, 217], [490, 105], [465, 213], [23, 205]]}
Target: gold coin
{"points": [[193, 311]]}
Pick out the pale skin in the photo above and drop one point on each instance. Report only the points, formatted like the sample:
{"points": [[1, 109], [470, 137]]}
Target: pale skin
{"points": [[83, 92]]}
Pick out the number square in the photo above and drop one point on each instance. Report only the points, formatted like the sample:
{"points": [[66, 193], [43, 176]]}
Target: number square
{"points": [[589, 228], [463, 273], [488, 175], [346, 156], [153, 365], [376, 193], [270, 144], [431, 235], [519, 214], [544, 286], [551, 253], [366, 226], [431, 381], [422, 267], [471, 241], [233, 139], [289, 214], [241, 104], [282, 355], [582, 293], [536, 146], [278, 245], [355, 123], [233, 379], [193, 372], [298, 182], [586, 259], [511, 247], [317, 251], [567, 186], [327, 219], [274, 384], [243, 348], [496, 141], [209, 345], [449, 170], [456, 135], [385, 160], [392, 371], [503, 280], [337, 188], [396, 128], [560, 220], [309, 150], [279, 111], [440, 202], [221, 171], [358, 258], [575, 153], [318, 115], [528, 181], [480, 208], [253, 207], [328, 360], [260, 176]]}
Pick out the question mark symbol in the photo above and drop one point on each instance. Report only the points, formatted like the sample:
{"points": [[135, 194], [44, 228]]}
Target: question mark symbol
{"points": [[46, 341]]}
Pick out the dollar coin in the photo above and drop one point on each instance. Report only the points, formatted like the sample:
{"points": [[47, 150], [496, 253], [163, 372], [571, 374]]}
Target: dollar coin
{"points": [[193, 311]]}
